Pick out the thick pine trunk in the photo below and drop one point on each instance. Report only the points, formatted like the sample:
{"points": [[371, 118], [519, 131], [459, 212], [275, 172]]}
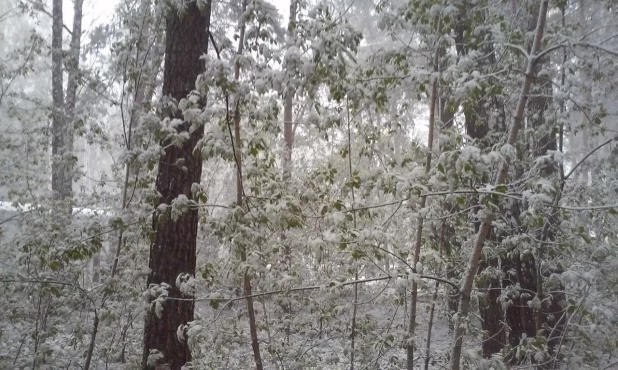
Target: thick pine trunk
{"points": [[174, 247]]}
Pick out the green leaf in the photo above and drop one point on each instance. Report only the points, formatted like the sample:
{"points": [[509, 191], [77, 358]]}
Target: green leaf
{"points": [[357, 254], [215, 303], [54, 265], [338, 205], [293, 223], [502, 188]]}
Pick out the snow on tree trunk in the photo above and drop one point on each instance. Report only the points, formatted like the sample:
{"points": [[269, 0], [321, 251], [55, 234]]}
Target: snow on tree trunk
{"points": [[173, 251]]}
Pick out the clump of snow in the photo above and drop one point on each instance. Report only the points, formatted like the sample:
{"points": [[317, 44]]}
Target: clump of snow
{"points": [[186, 283]]}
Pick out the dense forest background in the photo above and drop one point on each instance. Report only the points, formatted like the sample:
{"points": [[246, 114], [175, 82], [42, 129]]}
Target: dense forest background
{"points": [[313, 184]]}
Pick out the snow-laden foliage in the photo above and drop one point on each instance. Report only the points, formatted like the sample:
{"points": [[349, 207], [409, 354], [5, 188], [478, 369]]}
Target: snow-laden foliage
{"points": [[324, 239]]}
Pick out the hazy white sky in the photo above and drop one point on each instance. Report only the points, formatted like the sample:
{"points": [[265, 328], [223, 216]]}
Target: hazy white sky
{"points": [[100, 11]]}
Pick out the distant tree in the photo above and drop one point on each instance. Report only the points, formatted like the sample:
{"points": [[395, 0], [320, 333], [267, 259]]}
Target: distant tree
{"points": [[64, 107]]}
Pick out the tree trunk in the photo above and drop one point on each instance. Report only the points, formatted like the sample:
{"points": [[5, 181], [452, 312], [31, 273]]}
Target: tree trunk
{"points": [[525, 269], [61, 181], [174, 247], [520, 318], [478, 124], [485, 226], [288, 138], [419, 221], [490, 309], [242, 247], [73, 69], [434, 298]]}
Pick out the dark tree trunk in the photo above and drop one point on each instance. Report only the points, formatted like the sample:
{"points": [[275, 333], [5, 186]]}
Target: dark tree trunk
{"points": [[479, 124], [525, 269], [174, 247], [520, 317], [492, 321]]}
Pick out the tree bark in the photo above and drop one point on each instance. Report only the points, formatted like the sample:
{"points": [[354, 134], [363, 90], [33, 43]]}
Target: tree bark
{"points": [[520, 269], [61, 182], [174, 247], [490, 310]]}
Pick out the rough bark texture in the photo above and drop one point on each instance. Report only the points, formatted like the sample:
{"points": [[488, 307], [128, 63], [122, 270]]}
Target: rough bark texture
{"points": [[492, 317], [520, 318], [174, 247]]}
